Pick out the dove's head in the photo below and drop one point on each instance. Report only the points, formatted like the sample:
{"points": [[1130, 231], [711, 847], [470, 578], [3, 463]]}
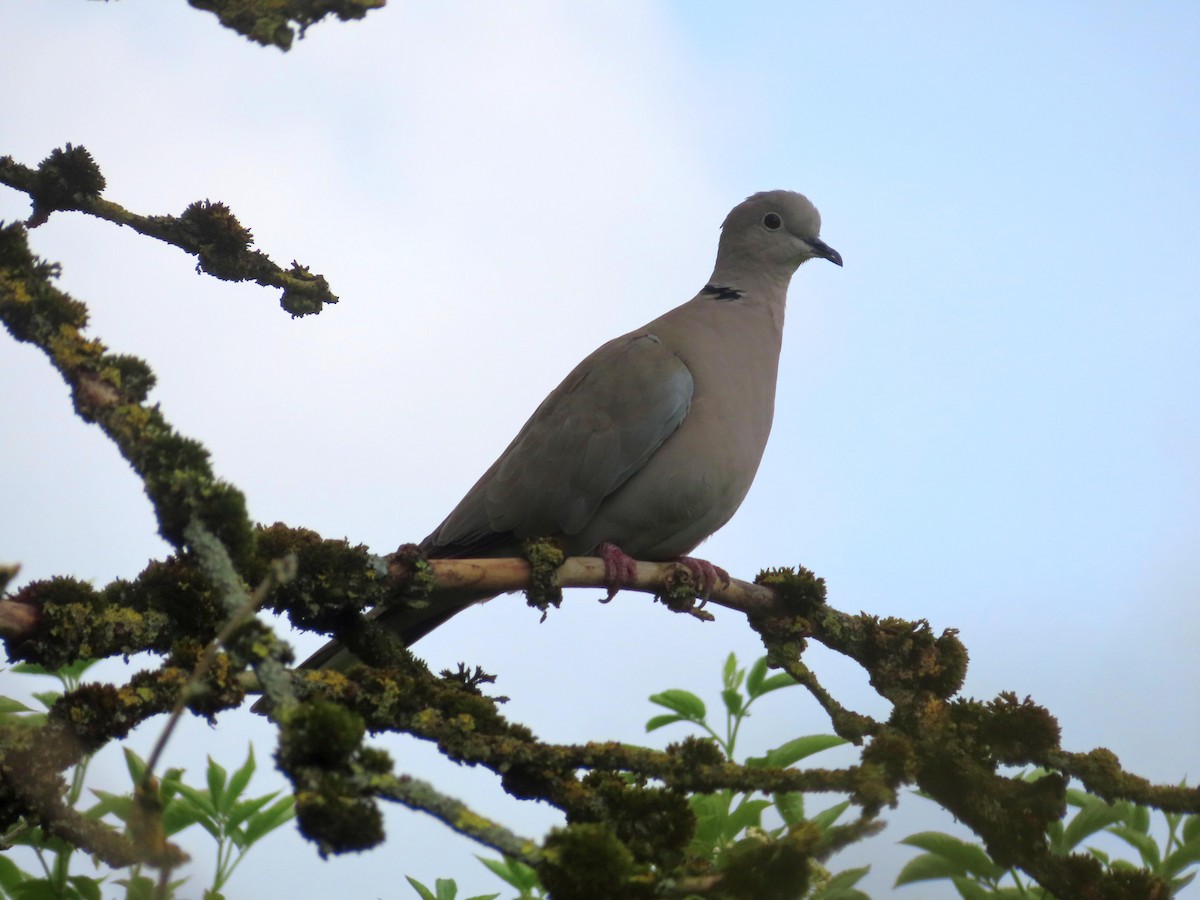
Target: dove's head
{"points": [[770, 234]]}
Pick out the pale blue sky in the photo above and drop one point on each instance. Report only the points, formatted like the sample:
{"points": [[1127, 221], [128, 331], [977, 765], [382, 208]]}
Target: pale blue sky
{"points": [[988, 418]]}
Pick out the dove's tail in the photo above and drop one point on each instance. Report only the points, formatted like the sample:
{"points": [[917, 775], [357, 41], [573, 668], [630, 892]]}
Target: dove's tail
{"points": [[410, 624]]}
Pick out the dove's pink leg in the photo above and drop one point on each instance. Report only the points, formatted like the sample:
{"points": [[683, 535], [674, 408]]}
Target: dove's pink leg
{"points": [[620, 569]]}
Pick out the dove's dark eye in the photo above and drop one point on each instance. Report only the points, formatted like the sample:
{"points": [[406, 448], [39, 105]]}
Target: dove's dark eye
{"points": [[772, 221]]}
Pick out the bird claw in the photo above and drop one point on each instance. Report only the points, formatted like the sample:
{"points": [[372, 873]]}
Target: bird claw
{"points": [[620, 569], [705, 575]]}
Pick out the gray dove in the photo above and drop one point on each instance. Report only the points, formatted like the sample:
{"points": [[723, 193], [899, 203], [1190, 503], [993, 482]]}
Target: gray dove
{"points": [[651, 443]]}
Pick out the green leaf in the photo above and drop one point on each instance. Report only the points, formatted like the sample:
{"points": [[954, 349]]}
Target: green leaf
{"points": [[1076, 797], [754, 680], [119, 805], [790, 806], [73, 671], [446, 888], [35, 837], [41, 890], [27, 668], [1138, 817], [423, 892], [972, 890], [1031, 892], [848, 877], [1179, 859], [1055, 832], [729, 674], [1191, 829], [168, 785], [1178, 884], [47, 698], [733, 701], [9, 706], [747, 814], [178, 816], [263, 823], [524, 878], [217, 777], [827, 817], [211, 826], [199, 799], [708, 805], [1173, 819], [136, 766], [841, 894], [795, 750], [27, 720], [10, 874], [712, 813], [139, 888], [1092, 817], [660, 721], [970, 858], [1143, 843], [88, 888], [927, 867], [241, 778], [246, 808], [237, 837], [513, 872], [683, 702], [841, 886], [777, 681], [499, 868]]}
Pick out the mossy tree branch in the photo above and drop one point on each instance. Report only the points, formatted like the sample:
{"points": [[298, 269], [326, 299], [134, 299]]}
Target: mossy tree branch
{"points": [[270, 22], [422, 796], [69, 179], [628, 823]]}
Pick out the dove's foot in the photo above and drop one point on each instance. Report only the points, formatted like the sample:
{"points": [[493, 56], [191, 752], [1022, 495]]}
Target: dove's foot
{"points": [[620, 569], [705, 574]]}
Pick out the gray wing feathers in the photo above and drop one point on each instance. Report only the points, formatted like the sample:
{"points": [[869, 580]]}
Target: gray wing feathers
{"points": [[588, 437]]}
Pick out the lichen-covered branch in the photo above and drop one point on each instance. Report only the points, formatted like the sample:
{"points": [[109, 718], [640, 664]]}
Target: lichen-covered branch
{"points": [[110, 390], [69, 179], [270, 22], [424, 797], [372, 585], [953, 747], [198, 513], [950, 747], [629, 824], [1100, 772], [79, 724]]}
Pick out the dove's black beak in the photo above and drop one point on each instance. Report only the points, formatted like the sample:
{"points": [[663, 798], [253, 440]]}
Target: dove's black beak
{"points": [[823, 250]]}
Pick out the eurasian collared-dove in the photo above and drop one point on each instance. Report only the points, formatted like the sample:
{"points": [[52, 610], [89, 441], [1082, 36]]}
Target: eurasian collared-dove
{"points": [[651, 443]]}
